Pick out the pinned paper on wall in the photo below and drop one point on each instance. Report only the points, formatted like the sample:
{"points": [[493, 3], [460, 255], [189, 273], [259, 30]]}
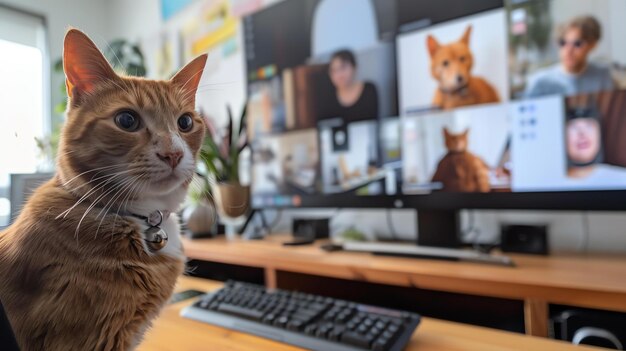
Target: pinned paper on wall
{"points": [[243, 8], [171, 7], [214, 29], [163, 57]]}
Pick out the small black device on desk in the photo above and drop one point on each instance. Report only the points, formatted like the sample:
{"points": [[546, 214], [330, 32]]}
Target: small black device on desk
{"points": [[310, 321]]}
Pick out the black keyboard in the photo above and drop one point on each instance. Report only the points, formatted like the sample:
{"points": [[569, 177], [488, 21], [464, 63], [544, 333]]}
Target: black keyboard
{"points": [[308, 321]]}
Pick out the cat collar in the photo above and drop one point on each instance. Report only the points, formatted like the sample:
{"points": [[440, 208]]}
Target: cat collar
{"points": [[155, 237]]}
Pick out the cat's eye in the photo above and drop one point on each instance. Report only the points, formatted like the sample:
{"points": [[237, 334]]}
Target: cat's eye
{"points": [[446, 63], [185, 123], [462, 58], [127, 121]]}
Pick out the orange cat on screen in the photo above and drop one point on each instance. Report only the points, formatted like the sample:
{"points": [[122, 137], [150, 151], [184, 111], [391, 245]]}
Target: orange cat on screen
{"points": [[460, 170], [95, 253]]}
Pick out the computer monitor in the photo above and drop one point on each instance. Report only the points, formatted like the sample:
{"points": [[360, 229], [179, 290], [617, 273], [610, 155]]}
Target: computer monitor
{"points": [[509, 105], [323, 119]]}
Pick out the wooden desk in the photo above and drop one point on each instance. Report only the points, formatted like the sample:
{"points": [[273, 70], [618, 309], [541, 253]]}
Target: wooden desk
{"points": [[174, 333], [576, 280]]}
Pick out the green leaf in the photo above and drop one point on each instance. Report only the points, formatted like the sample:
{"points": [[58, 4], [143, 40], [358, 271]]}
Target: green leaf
{"points": [[230, 132], [60, 107], [58, 66], [242, 119]]}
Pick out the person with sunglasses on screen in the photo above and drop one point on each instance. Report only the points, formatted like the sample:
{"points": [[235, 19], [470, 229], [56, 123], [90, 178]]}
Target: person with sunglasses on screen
{"points": [[575, 73]]}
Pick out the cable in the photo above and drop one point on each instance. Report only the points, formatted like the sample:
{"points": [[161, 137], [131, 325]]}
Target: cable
{"points": [[392, 229]]}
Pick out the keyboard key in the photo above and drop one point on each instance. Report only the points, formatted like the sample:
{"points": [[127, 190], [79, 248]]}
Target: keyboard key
{"points": [[381, 344], [352, 338], [322, 331], [311, 329], [281, 321], [269, 318], [335, 334], [295, 325], [240, 311], [362, 329]]}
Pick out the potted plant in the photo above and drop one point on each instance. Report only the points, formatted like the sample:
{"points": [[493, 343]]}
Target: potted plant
{"points": [[220, 156]]}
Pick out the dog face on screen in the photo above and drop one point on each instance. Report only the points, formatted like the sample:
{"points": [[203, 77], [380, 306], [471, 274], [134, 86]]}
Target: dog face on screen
{"points": [[452, 63], [451, 66]]}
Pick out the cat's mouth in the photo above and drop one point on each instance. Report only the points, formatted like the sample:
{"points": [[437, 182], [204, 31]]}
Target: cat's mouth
{"points": [[171, 177]]}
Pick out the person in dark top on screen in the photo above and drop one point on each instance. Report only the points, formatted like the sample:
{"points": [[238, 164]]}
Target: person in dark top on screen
{"points": [[575, 73], [353, 100]]}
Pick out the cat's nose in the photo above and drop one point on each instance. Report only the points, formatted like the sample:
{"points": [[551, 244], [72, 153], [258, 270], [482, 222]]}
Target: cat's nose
{"points": [[171, 158]]}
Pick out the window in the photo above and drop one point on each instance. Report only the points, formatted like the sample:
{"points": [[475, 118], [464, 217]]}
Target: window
{"points": [[24, 103]]}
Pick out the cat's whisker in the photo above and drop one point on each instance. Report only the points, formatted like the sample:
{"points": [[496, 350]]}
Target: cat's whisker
{"points": [[113, 51], [216, 83], [136, 190], [122, 186], [123, 195], [125, 89], [91, 191], [91, 170], [91, 206], [192, 77], [119, 205], [142, 182], [89, 183], [121, 189]]}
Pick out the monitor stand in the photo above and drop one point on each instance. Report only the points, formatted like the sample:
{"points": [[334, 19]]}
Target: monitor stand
{"points": [[438, 228]]}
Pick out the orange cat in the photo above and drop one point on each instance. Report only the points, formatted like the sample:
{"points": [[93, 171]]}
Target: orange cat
{"points": [[460, 170], [95, 253]]}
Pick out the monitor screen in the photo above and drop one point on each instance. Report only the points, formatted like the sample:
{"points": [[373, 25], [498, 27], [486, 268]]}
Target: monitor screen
{"points": [[412, 13], [323, 115], [523, 98], [520, 97]]}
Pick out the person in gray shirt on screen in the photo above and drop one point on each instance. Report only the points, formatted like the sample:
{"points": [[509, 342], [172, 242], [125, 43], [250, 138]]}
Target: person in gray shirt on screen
{"points": [[574, 74]]}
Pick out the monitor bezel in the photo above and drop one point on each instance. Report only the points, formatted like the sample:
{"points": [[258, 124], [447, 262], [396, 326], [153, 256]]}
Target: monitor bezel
{"points": [[584, 200]]}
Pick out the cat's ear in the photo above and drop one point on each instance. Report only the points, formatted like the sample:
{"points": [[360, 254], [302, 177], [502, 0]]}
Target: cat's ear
{"points": [[433, 45], [466, 36], [189, 76], [84, 65]]}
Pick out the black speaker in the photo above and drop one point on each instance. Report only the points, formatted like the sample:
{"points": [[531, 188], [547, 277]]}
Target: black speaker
{"points": [[528, 239], [310, 228]]}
